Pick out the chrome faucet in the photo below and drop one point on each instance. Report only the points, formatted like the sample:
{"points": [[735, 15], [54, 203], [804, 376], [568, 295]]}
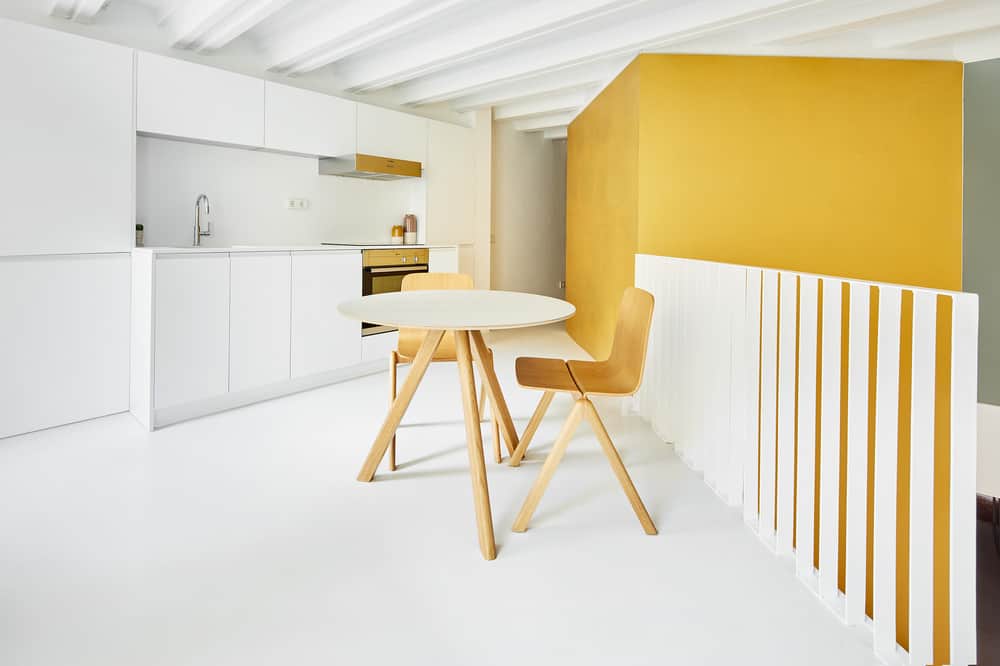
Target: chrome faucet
{"points": [[198, 233]]}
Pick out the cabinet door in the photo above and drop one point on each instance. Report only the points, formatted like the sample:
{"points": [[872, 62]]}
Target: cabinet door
{"points": [[391, 134], [322, 339], [260, 302], [307, 122], [185, 100], [451, 183], [443, 260], [66, 140], [64, 339], [191, 328]]}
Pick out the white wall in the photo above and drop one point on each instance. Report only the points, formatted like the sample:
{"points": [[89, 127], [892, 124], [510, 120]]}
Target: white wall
{"points": [[529, 211], [248, 190]]}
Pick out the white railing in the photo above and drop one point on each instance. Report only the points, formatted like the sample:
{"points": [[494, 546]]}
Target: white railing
{"points": [[744, 369]]}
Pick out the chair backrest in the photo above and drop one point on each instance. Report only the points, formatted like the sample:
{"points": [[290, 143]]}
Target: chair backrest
{"points": [[628, 350], [428, 281], [411, 338]]}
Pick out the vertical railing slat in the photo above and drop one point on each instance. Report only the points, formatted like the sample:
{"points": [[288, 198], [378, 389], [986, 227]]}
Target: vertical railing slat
{"points": [[857, 456], [751, 379], [829, 481], [962, 556], [768, 397], [922, 480], [805, 495], [886, 464], [786, 414]]}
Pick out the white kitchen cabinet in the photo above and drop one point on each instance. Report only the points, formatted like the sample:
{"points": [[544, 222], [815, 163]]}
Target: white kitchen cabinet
{"points": [[185, 100], [391, 134], [443, 260], [191, 327], [307, 122], [260, 307], [66, 143], [64, 339], [322, 339]]}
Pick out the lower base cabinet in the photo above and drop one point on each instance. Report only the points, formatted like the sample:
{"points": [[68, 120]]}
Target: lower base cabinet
{"points": [[191, 327], [216, 330], [323, 340], [260, 303]]}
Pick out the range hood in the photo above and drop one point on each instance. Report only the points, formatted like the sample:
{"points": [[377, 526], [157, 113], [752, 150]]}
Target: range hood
{"points": [[371, 167]]}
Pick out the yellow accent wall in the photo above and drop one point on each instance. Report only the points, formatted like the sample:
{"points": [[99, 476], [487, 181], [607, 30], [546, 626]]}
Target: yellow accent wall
{"points": [[836, 166], [846, 167], [602, 199]]}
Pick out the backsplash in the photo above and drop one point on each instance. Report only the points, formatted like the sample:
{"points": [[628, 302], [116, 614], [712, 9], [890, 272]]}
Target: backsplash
{"points": [[248, 191]]}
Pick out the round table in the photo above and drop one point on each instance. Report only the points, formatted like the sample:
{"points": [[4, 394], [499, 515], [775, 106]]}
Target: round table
{"points": [[467, 313]]}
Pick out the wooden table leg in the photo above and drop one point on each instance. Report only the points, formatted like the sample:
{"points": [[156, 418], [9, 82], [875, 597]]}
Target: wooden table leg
{"points": [[399, 405], [493, 390], [474, 440]]}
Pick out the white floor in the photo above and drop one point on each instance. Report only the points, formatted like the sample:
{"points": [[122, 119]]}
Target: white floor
{"points": [[243, 539]]}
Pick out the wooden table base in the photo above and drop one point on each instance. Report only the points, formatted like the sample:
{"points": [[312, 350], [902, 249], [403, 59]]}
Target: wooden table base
{"points": [[469, 347]]}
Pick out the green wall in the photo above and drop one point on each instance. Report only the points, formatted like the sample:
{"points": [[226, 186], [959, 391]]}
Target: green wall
{"points": [[981, 266]]}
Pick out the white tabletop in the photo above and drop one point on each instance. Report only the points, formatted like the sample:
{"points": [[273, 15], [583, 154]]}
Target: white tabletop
{"points": [[458, 309]]}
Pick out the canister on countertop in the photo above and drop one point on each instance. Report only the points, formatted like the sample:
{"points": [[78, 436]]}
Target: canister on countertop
{"points": [[397, 234], [410, 224]]}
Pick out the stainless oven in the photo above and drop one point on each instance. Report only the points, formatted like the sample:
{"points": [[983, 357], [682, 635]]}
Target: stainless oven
{"points": [[382, 272]]}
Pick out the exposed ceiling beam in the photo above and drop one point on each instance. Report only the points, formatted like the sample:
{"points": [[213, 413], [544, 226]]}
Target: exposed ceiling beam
{"points": [[678, 23], [555, 133], [830, 17], [939, 25], [571, 79], [83, 11], [504, 29], [979, 47], [544, 122], [540, 106], [211, 24], [348, 28]]}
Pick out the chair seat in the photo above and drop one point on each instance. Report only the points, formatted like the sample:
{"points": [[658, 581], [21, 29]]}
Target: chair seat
{"points": [[601, 378], [547, 374]]}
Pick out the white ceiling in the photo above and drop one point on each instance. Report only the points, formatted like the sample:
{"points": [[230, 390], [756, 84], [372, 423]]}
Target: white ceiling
{"points": [[537, 62]]}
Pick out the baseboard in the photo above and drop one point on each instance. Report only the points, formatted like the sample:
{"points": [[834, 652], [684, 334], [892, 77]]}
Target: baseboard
{"points": [[190, 410]]}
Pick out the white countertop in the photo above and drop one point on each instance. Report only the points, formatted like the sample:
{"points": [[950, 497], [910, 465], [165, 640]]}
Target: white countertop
{"points": [[276, 248]]}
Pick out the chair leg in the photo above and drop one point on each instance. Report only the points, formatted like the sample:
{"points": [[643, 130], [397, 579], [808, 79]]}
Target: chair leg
{"points": [[393, 362], [497, 455], [619, 469], [549, 468], [529, 432], [482, 401]]}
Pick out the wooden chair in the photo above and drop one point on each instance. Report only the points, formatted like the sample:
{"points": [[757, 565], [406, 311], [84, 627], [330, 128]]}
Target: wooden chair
{"points": [[410, 339], [619, 375]]}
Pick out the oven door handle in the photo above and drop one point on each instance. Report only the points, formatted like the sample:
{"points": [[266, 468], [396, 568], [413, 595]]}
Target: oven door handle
{"points": [[416, 268]]}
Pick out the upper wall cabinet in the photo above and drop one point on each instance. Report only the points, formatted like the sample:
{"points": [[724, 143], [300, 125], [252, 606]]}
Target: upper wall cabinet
{"points": [[182, 99], [66, 141], [391, 134], [307, 122]]}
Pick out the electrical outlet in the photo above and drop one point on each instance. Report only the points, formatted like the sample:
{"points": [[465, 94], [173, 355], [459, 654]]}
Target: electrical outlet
{"points": [[296, 204]]}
